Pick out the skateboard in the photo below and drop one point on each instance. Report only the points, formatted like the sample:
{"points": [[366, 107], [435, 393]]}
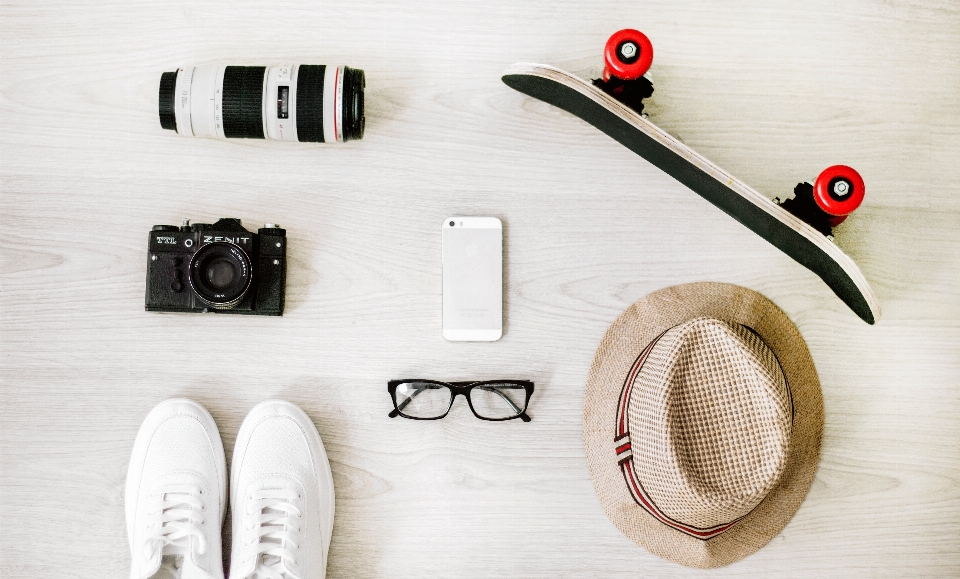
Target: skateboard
{"points": [[801, 227]]}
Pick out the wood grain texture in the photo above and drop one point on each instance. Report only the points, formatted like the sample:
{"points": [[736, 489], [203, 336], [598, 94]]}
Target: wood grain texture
{"points": [[773, 92]]}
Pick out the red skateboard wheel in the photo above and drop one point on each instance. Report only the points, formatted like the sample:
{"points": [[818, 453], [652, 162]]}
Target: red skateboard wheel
{"points": [[835, 220], [627, 55], [838, 190]]}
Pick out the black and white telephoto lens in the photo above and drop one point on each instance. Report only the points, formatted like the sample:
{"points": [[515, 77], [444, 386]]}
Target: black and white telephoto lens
{"points": [[300, 102]]}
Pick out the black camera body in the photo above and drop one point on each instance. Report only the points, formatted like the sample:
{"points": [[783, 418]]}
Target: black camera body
{"points": [[219, 268]]}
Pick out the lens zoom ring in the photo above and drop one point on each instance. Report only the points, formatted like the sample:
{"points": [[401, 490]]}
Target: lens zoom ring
{"points": [[310, 103], [243, 102], [168, 87]]}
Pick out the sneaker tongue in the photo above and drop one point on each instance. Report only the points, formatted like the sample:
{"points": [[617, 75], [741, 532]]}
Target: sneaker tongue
{"points": [[169, 567], [191, 571]]}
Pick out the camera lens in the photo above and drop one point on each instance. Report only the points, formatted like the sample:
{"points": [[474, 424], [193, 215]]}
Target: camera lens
{"points": [[307, 103], [354, 81], [220, 274], [452, 224]]}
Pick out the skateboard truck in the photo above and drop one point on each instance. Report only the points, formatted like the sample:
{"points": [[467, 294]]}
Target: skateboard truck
{"points": [[627, 57], [836, 193]]}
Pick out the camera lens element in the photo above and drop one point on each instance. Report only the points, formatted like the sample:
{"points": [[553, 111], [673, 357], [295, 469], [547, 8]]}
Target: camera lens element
{"points": [[220, 274]]}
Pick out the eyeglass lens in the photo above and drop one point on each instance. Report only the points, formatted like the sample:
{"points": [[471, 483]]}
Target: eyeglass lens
{"points": [[498, 401], [423, 399]]}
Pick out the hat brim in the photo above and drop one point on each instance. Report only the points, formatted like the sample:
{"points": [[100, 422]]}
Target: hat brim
{"points": [[639, 325]]}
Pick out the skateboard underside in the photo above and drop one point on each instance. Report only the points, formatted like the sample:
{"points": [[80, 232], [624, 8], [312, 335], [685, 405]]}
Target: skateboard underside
{"points": [[786, 232]]}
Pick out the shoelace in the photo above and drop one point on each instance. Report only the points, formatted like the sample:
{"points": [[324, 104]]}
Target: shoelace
{"points": [[174, 515], [275, 529]]}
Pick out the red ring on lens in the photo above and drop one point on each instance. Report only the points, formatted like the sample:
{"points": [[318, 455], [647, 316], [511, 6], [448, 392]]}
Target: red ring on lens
{"points": [[627, 68], [838, 190]]}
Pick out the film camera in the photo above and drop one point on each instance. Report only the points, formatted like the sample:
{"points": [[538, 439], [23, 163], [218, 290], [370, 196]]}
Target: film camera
{"points": [[219, 267]]}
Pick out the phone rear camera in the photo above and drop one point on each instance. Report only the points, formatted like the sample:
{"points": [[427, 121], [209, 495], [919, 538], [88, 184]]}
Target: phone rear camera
{"points": [[452, 224]]}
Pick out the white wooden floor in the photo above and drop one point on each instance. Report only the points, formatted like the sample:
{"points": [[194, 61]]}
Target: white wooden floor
{"points": [[771, 91]]}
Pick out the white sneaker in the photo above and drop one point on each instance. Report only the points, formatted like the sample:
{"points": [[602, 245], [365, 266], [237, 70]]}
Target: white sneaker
{"points": [[281, 496], [176, 488]]}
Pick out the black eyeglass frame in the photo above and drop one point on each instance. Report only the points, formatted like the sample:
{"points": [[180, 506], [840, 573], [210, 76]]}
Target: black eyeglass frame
{"points": [[458, 389]]}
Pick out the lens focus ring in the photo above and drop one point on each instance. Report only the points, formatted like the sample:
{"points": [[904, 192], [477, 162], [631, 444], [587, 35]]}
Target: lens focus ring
{"points": [[168, 88], [354, 81], [243, 102]]}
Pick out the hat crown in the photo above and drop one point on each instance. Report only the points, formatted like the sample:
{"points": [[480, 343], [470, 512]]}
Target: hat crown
{"points": [[710, 417]]}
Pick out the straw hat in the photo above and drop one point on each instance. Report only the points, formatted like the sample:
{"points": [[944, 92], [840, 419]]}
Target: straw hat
{"points": [[702, 422]]}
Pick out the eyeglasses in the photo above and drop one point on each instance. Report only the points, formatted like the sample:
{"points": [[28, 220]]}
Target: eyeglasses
{"points": [[432, 400]]}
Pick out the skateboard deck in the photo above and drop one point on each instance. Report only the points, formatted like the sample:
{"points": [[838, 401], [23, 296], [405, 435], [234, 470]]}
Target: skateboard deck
{"points": [[786, 232]]}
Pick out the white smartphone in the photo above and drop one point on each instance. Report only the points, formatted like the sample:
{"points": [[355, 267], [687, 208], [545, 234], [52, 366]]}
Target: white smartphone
{"points": [[472, 279]]}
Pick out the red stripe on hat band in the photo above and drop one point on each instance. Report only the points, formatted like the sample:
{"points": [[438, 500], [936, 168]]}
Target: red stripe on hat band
{"points": [[623, 448]]}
